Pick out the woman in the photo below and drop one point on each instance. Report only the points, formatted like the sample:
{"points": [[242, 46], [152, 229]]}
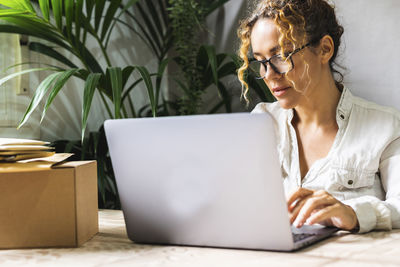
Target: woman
{"points": [[339, 154]]}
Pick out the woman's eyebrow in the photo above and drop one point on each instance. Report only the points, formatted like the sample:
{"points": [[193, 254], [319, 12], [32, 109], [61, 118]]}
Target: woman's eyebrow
{"points": [[272, 51]]}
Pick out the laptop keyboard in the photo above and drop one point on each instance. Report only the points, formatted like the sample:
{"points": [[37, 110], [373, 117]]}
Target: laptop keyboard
{"points": [[298, 237]]}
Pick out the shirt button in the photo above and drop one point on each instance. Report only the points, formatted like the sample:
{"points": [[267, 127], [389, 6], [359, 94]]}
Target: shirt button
{"points": [[342, 116], [350, 182]]}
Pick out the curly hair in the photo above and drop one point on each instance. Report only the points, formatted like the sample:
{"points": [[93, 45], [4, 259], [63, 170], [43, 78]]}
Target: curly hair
{"points": [[299, 22]]}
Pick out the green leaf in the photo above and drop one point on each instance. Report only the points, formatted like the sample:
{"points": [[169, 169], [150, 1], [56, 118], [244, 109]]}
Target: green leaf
{"points": [[226, 97], [90, 86], [69, 15], [44, 6], [40, 92], [115, 74], [202, 59], [111, 10], [11, 12], [18, 4], [62, 79], [153, 33], [215, 5], [49, 51], [13, 75], [128, 5], [126, 73], [213, 62], [33, 27], [78, 18], [98, 13], [227, 69], [161, 68], [149, 85], [57, 12]]}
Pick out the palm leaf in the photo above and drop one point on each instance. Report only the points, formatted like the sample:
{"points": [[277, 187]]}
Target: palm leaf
{"points": [[155, 35], [149, 86], [90, 86], [99, 8], [215, 5], [111, 10], [40, 92], [161, 68], [18, 4], [57, 12], [115, 75], [32, 27], [69, 16], [128, 5], [44, 6], [62, 79], [213, 63], [126, 73], [78, 18], [49, 51], [13, 75]]}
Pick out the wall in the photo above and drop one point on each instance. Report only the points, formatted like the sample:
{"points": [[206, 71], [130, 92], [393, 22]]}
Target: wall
{"points": [[371, 48]]}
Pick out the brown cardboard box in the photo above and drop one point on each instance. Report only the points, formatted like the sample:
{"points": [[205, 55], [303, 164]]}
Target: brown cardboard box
{"points": [[47, 206]]}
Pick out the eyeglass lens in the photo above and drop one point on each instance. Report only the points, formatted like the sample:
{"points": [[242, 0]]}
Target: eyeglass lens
{"points": [[278, 65]]}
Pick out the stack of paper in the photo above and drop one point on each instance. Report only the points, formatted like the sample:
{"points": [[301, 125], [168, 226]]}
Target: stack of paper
{"points": [[12, 149]]}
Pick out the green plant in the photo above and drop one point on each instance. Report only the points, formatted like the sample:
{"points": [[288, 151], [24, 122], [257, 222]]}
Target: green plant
{"points": [[67, 25]]}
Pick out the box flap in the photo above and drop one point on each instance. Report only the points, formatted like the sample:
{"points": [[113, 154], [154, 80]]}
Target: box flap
{"points": [[37, 164], [71, 164]]}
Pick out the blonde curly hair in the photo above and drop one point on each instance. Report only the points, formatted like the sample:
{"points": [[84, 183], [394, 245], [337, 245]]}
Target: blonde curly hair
{"points": [[299, 22]]}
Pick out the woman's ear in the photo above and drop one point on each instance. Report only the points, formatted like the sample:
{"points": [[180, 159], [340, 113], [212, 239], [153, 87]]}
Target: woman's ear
{"points": [[327, 49]]}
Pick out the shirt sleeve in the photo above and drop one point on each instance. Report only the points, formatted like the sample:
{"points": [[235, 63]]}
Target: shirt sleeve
{"points": [[373, 213]]}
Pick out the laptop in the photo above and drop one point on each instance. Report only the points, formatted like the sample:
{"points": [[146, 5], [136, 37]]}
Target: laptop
{"points": [[204, 180]]}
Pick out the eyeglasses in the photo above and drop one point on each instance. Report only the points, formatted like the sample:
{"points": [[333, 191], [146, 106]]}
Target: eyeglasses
{"points": [[277, 63]]}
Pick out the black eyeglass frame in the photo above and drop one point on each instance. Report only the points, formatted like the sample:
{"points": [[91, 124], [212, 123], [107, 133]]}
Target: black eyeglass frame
{"points": [[289, 57]]}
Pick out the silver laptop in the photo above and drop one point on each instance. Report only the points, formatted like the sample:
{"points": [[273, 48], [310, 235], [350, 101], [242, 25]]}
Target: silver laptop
{"points": [[205, 180]]}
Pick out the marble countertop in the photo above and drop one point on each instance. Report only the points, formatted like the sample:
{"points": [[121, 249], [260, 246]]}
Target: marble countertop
{"points": [[111, 247]]}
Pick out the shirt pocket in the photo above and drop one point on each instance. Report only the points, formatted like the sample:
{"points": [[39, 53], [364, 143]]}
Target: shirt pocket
{"points": [[351, 183]]}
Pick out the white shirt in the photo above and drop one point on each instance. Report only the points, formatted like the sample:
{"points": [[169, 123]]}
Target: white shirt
{"points": [[362, 168]]}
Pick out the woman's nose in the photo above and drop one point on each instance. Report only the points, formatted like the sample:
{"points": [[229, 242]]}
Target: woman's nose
{"points": [[270, 73]]}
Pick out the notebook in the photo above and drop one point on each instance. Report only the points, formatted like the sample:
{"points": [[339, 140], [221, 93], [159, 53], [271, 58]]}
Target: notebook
{"points": [[204, 180]]}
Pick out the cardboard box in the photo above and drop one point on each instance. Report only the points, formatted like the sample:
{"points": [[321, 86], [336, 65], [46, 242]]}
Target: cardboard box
{"points": [[42, 205]]}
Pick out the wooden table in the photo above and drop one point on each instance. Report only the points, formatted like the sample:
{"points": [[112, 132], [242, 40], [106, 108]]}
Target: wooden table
{"points": [[111, 247]]}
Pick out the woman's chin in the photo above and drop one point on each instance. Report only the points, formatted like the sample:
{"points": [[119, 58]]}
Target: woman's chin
{"points": [[286, 104]]}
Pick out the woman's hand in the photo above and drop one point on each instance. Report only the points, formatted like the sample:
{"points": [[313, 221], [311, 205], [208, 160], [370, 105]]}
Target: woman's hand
{"points": [[307, 206]]}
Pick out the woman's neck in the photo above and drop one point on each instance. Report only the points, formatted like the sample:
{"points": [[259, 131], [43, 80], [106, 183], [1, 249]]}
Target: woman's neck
{"points": [[319, 107]]}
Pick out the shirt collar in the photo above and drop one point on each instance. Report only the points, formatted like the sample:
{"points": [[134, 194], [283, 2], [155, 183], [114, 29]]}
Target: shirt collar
{"points": [[343, 108]]}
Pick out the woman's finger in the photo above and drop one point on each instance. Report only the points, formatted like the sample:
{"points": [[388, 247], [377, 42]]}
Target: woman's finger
{"points": [[311, 205], [296, 196], [296, 208], [323, 214]]}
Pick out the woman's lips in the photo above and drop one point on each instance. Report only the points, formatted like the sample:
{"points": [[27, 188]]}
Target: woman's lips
{"points": [[280, 91]]}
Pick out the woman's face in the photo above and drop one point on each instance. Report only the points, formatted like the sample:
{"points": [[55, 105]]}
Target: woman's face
{"points": [[301, 81]]}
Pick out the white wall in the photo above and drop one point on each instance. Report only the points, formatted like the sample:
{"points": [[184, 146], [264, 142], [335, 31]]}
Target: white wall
{"points": [[371, 48]]}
